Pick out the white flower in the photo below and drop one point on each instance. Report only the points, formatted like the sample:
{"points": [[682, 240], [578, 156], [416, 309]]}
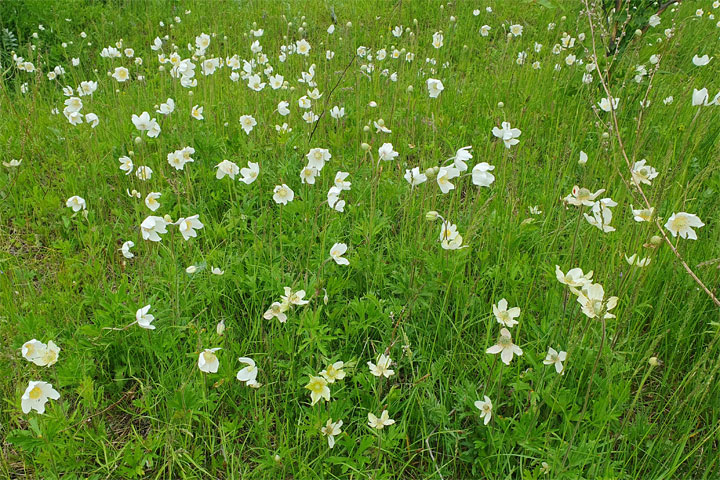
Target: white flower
{"points": [[248, 123], [308, 174], [414, 177], [331, 429], [283, 194], [606, 106], [336, 253], [121, 74], [503, 315], [187, 226], [337, 112], [36, 396], [682, 224], [144, 319], [226, 167], [208, 361], [125, 249], [216, 271], [151, 227], [435, 87], [249, 373], [642, 214], [197, 112], [485, 407], [143, 173], [516, 30], [505, 347], [485, 30], [481, 175], [151, 200], [382, 368], [317, 157], [386, 152], [167, 108], [556, 358], [445, 174], [574, 278], [642, 173], [76, 203], [701, 61], [508, 134], [379, 423], [250, 173], [282, 108], [592, 299]]}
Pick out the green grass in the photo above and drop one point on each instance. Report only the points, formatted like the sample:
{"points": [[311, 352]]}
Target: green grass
{"points": [[133, 402]]}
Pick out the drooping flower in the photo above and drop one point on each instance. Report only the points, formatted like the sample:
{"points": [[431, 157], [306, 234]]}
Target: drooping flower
{"points": [[435, 87], [125, 249], [208, 361], [151, 200], [336, 253], [226, 167], [444, 175], [76, 203], [606, 106], [481, 175], [249, 373], [505, 347]]}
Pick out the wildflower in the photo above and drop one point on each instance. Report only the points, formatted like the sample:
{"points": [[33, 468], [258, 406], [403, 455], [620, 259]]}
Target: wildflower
{"points": [[333, 372], [634, 259], [76, 203], [143, 173], [33, 349], [337, 112], [36, 396], [208, 361], [642, 173], [701, 61], [575, 277], [414, 177], [144, 319], [336, 253], [226, 167], [682, 224], [607, 106], [151, 200], [125, 249], [318, 387], [217, 271], [503, 315], [386, 152], [197, 112], [317, 157], [592, 299], [481, 175], [250, 173], [516, 30], [283, 194], [505, 347], [449, 237], [382, 368], [435, 87], [248, 123], [187, 226], [248, 374], [331, 429], [582, 196], [166, 108], [556, 358], [379, 423], [152, 227], [277, 310], [121, 74], [445, 174], [508, 135], [643, 214], [485, 407]]}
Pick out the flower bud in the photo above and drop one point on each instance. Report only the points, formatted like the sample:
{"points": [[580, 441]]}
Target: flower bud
{"points": [[366, 128], [220, 329], [432, 215], [365, 146], [653, 361], [656, 240]]}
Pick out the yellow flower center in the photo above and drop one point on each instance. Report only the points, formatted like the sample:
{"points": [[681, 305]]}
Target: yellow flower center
{"points": [[35, 393]]}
